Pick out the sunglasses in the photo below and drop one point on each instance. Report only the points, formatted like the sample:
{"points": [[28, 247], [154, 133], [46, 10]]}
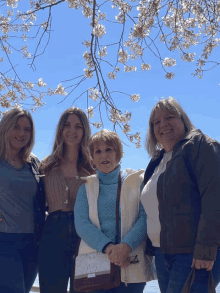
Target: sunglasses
{"points": [[134, 259]]}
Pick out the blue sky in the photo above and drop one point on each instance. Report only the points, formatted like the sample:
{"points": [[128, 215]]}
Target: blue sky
{"points": [[63, 60]]}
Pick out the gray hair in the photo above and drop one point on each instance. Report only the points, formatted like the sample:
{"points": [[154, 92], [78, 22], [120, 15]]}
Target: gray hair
{"points": [[7, 124], [171, 105]]}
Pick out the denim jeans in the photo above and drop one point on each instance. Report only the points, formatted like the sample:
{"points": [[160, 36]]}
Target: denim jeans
{"points": [[57, 248], [130, 288], [174, 269], [18, 262]]}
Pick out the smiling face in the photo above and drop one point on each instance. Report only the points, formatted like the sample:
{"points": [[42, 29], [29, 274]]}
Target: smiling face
{"points": [[73, 130], [168, 128], [104, 157], [20, 136]]}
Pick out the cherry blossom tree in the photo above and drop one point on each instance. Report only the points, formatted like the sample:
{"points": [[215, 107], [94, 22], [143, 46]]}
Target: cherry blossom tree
{"points": [[145, 25]]}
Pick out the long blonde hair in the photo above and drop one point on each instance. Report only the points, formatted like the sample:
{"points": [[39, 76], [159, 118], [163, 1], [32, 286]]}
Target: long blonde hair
{"points": [[57, 155], [7, 124], [171, 105]]}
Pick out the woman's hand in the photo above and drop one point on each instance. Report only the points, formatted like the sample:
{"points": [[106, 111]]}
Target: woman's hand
{"points": [[202, 264], [119, 254], [108, 249], [126, 263]]}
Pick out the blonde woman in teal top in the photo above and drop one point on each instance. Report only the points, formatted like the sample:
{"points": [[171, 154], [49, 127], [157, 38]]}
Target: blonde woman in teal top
{"points": [[22, 208]]}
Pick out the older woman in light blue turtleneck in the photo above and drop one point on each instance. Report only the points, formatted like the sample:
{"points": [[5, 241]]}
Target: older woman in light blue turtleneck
{"points": [[106, 150]]}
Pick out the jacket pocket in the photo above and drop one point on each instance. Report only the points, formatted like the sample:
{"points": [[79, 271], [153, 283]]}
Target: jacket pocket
{"points": [[184, 225]]}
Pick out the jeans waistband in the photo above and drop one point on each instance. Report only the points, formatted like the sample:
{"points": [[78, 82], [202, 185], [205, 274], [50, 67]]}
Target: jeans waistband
{"points": [[59, 214]]}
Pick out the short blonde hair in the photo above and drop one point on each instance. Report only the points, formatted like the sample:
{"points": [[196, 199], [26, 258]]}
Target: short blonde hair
{"points": [[7, 124], [171, 105], [58, 150], [110, 138]]}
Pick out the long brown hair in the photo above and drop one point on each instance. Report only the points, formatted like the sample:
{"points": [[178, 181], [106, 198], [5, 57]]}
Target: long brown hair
{"points": [[84, 160], [7, 124]]}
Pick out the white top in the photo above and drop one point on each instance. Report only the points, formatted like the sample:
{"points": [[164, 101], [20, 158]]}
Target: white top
{"points": [[150, 202]]}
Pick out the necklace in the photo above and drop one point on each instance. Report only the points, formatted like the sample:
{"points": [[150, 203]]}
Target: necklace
{"points": [[13, 159]]}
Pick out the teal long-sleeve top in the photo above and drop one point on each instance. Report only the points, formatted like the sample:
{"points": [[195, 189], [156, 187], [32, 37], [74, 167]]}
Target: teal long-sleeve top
{"points": [[96, 238]]}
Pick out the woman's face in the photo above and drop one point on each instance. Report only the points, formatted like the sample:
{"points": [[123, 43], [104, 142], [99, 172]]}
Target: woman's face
{"points": [[104, 157], [168, 128], [73, 130], [20, 136]]}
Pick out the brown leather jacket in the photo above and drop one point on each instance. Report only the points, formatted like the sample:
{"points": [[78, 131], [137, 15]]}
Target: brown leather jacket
{"points": [[189, 197]]}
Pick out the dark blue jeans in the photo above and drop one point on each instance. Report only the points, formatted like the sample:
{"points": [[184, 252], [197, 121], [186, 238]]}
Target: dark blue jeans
{"points": [[174, 269], [18, 262], [130, 288], [57, 248]]}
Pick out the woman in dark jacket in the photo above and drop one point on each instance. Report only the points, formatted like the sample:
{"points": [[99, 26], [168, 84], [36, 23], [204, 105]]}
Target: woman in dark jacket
{"points": [[181, 198], [22, 207]]}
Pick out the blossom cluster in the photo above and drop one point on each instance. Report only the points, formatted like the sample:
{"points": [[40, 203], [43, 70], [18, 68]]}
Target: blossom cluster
{"points": [[93, 94], [178, 25]]}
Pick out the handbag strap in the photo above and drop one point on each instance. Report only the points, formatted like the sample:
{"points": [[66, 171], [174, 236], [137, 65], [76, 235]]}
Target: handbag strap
{"points": [[117, 205], [191, 278]]}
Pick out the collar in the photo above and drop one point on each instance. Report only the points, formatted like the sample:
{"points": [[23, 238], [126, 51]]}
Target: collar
{"points": [[109, 178], [186, 137]]}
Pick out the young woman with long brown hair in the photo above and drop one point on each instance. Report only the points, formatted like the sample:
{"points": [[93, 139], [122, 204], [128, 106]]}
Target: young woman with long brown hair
{"points": [[63, 169]]}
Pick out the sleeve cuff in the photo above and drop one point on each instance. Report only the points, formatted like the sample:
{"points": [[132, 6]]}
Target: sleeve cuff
{"points": [[203, 252], [103, 249]]}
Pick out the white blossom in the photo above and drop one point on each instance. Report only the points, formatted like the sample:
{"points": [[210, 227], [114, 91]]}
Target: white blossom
{"points": [[2, 87], [121, 18], [97, 124], [60, 90], [29, 85], [87, 56], [102, 52], [25, 52], [127, 128], [87, 11], [137, 136], [99, 30], [115, 116], [168, 62], [111, 75], [138, 144], [145, 66], [135, 97], [93, 94], [41, 83], [189, 57], [129, 68], [88, 73], [87, 43], [124, 118], [170, 75], [90, 112], [123, 56], [12, 3]]}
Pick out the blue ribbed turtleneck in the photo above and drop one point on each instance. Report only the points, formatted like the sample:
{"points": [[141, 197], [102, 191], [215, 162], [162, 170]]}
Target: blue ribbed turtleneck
{"points": [[109, 178]]}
